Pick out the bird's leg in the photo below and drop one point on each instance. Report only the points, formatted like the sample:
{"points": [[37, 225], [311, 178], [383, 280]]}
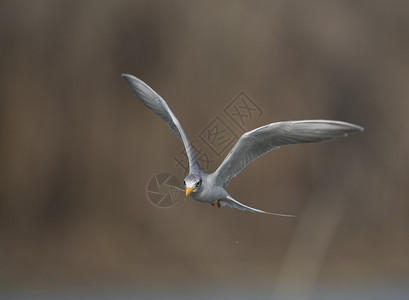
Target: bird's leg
{"points": [[218, 203]]}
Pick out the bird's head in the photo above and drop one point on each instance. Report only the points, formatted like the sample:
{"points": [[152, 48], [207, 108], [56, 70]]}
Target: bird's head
{"points": [[193, 183]]}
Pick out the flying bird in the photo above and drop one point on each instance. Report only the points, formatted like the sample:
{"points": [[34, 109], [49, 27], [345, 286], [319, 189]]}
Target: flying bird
{"points": [[211, 188]]}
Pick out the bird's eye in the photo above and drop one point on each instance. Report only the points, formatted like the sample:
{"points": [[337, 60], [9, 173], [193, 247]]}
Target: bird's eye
{"points": [[184, 182], [198, 183]]}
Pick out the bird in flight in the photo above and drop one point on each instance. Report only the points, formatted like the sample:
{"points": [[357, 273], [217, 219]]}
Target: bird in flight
{"points": [[211, 188]]}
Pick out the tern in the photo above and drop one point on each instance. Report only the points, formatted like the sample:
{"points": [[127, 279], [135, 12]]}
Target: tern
{"points": [[211, 188]]}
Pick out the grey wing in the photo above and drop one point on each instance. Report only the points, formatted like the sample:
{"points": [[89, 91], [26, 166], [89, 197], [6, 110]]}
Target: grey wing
{"points": [[155, 103], [259, 141], [229, 201]]}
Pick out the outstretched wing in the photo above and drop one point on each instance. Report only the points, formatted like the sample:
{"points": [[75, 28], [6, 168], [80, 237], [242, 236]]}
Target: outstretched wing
{"points": [[259, 141], [230, 202], [155, 103]]}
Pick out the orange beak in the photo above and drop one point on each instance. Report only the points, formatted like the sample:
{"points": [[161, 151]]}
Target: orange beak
{"points": [[189, 191]]}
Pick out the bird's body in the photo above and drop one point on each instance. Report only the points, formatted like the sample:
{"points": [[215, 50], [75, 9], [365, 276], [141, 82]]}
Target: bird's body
{"points": [[211, 188], [210, 191]]}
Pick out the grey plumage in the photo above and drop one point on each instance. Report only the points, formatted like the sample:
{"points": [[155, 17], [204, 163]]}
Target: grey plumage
{"points": [[155, 103], [259, 141], [210, 188]]}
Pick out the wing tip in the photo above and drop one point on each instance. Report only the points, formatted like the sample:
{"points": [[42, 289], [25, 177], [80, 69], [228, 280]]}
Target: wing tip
{"points": [[128, 77], [354, 128], [359, 128], [140, 88]]}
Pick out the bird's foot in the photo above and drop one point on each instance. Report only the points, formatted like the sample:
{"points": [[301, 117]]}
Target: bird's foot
{"points": [[218, 203], [212, 204]]}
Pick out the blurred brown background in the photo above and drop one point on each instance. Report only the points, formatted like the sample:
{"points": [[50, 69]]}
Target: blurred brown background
{"points": [[77, 148]]}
